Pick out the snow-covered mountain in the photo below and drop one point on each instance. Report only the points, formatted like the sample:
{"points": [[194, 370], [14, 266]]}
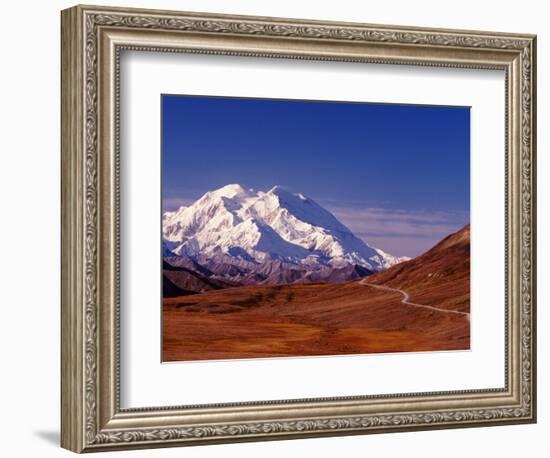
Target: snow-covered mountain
{"points": [[241, 226]]}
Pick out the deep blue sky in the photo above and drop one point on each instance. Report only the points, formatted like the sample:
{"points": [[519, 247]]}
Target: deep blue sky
{"points": [[404, 162]]}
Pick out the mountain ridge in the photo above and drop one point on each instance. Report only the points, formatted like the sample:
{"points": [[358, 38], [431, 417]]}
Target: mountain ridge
{"points": [[440, 276], [243, 227], [421, 305]]}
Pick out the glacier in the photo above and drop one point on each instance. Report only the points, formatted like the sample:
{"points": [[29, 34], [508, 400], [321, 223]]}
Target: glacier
{"points": [[238, 225]]}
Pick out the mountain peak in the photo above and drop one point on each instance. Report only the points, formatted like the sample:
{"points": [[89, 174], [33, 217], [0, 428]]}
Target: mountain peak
{"points": [[276, 189], [283, 191], [286, 195], [277, 224], [230, 191]]}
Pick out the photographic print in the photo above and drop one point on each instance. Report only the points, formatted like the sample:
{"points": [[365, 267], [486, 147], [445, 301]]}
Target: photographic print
{"points": [[308, 228], [311, 236]]}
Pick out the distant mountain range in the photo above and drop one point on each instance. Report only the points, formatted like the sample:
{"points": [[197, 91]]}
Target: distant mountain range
{"points": [[240, 236]]}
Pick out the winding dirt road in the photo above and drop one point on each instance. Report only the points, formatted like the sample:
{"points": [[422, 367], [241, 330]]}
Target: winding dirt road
{"points": [[406, 301]]}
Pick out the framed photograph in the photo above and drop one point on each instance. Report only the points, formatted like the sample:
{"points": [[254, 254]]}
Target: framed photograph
{"points": [[277, 228]]}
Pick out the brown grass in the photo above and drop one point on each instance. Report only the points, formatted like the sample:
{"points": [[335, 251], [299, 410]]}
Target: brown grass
{"points": [[300, 320]]}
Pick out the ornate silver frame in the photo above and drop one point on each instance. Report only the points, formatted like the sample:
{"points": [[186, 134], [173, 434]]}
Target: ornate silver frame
{"points": [[92, 38]]}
